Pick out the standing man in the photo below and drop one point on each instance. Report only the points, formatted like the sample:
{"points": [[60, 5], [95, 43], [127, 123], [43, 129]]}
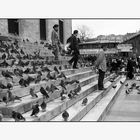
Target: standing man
{"points": [[74, 41], [102, 67], [55, 41]]}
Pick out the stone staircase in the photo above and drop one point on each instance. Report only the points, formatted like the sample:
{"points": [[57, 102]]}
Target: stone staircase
{"points": [[98, 104]]}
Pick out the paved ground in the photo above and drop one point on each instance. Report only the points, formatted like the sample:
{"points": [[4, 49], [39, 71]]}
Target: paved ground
{"points": [[126, 107]]}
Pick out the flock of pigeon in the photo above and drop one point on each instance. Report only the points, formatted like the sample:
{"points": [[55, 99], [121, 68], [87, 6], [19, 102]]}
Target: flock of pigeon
{"points": [[22, 67]]}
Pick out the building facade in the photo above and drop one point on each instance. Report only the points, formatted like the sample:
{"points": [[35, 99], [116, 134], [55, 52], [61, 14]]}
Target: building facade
{"points": [[35, 29], [135, 42], [94, 47]]}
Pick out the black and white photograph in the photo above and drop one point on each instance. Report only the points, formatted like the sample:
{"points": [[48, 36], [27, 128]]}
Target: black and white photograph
{"points": [[69, 69]]}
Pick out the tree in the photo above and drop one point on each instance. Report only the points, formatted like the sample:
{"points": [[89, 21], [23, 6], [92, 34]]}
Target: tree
{"points": [[84, 32]]}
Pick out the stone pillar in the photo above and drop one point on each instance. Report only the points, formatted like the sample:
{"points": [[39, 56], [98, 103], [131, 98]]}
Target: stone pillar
{"points": [[4, 26], [67, 29]]}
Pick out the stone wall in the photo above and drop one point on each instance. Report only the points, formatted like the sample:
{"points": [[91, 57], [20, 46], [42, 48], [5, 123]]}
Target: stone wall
{"points": [[30, 28], [3, 27]]}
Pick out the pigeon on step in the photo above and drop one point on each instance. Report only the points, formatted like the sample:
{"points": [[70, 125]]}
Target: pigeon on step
{"points": [[114, 86], [2, 86], [43, 91], [65, 116], [12, 97], [32, 93], [9, 86], [5, 100], [43, 106], [62, 84], [84, 102], [53, 88], [56, 70], [35, 110], [127, 92], [17, 116], [6, 75], [77, 89], [60, 68], [62, 95], [126, 85], [137, 87], [70, 95]]}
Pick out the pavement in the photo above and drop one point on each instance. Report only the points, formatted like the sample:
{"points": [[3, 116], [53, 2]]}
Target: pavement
{"points": [[126, 107]]}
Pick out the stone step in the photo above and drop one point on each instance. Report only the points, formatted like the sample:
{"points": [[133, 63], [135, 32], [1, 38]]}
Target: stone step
{"points": [[65, 71], [77, 111], [21, 92], [99, 111], [56, 106], [27, 102]]}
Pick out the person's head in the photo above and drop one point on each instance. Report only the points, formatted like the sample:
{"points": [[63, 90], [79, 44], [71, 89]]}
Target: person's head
{"points": [[104, 48], [56, 27], [75, 33]]}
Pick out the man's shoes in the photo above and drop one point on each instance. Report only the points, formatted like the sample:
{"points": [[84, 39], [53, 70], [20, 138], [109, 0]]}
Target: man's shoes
{"points": [[102, 88]]}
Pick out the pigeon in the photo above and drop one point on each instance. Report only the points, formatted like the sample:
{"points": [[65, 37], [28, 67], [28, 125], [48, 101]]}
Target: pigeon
{"points": [[12, 97], [74, 81], [2, 86], [70, 96], [63, 98], [78, 89], [114, 86], [74, 93], [60, 68], [137, 87], [84, 102], [46, 69], [35, 110], [27, 71], [126, 85], [43, 91], [133, 85], [5, 100], [43, 106], [9, 86], [17, 116], [62, 84], [32, 93], [111, 80], [38, 79], [62, 75], [126, 92], [50, 77], [23, 82], [22, 52], [53, 88], [48, 88], [56, 70], [6, 75], [65, 116], [121, 82], [3, 56], [62, 93]]}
